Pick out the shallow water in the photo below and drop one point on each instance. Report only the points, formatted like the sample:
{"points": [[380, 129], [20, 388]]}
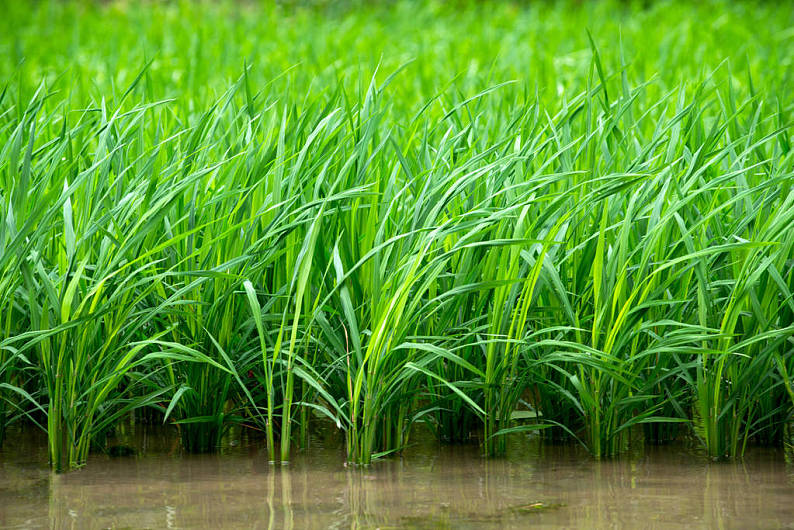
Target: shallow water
{"points": [[431, 486]]}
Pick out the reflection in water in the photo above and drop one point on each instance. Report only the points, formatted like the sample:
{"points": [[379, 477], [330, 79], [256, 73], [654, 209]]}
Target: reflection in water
{"points": [[430, 487]]}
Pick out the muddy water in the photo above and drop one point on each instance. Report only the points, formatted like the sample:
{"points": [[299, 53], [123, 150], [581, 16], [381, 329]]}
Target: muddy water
{"points": [[430, 487]]}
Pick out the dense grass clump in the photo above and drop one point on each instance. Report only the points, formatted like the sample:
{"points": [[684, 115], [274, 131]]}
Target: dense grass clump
{"points": [[456, 215]]}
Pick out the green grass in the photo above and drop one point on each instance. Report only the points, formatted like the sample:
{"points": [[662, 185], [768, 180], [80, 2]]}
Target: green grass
{"points": [[449, 214]]}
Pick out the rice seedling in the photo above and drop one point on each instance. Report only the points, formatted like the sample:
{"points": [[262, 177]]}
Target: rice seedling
{"points": [[506, 216]]}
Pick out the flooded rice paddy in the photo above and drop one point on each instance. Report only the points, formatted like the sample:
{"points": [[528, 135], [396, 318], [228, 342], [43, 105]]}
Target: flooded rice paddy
{"points": [[430, 486]]}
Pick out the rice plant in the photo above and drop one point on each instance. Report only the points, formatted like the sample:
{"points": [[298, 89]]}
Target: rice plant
{"points": [[503, 217]]}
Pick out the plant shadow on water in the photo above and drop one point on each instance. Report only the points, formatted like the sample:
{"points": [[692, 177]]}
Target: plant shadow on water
{"points": [[431, 486]]}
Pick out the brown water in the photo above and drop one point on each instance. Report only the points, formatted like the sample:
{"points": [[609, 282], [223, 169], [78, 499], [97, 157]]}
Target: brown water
{"points": [[430, 487]]}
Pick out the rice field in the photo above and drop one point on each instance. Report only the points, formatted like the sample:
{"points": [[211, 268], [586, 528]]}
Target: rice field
{"points": [[569, 219]]}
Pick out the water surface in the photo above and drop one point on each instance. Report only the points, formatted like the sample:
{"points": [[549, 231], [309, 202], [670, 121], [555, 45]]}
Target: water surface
{"points": [[431, 486]]}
